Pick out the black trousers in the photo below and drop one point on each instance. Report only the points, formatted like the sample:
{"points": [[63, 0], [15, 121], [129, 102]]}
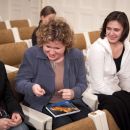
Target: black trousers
{"points": [[60, 121], [118, 105]]}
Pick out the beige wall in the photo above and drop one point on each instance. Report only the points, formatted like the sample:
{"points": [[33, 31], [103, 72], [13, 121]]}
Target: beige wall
{"points": [[20, 9], [87, 15], [4, 9], [83, 15]]}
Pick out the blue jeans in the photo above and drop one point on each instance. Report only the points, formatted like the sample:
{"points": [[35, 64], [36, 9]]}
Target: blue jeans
{"points": [[22, 126]]}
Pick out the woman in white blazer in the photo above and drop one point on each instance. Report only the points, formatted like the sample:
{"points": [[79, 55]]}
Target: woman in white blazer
{"points": [[109, 68]]}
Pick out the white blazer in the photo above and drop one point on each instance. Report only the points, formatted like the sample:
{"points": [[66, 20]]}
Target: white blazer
{"points": [[102, 76]]}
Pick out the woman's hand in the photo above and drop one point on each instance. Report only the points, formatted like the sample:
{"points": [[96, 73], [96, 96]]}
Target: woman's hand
{"points": [[67, 94], [38, 90], [15, 119], [5, 123]]}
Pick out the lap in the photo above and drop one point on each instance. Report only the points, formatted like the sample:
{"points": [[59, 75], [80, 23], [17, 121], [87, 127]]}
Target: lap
{"points": [[118, 99], [118, 105], [84, 110], [60, 121], [22, 126]]}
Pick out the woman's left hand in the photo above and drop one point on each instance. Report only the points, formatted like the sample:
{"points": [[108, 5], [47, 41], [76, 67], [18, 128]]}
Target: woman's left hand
{"points": [[67, 94], [16, 119]]}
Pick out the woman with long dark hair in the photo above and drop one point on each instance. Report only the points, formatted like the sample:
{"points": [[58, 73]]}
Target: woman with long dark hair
{"points": [[47, 13], [109, 78]]}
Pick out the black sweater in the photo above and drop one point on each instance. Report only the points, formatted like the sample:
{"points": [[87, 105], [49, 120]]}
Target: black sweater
{"points": [[6, 94]]}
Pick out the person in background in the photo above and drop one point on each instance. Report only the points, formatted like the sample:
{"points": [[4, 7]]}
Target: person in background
{"points": [[11, 115], [109, 78], [47, 13], [53, 71]]}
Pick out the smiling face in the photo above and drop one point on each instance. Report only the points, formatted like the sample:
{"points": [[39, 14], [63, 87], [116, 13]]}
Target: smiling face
{"points": [[54, 50], [114, 31]]}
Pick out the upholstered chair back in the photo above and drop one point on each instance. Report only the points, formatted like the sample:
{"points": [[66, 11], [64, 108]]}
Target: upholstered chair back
{"points": [[6, 36], [26, 32], [19, 23], [93, 36], [79, 41], [12, 53], [2, 25]]}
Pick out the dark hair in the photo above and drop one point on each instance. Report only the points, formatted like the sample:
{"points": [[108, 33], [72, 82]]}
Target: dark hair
{"points": [[121, 18], [47, 10], [56, 29]]}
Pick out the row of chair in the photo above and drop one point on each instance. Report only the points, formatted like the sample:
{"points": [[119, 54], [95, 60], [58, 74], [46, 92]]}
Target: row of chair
{"points": [[81, 40], [12, 43], [15, 35], [86, 39], [7, 24], [12, 46]]}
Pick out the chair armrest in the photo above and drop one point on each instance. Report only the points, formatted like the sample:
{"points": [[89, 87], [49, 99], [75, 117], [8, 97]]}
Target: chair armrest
{"points": [[10, 68], [38, 120], [90, 99]]}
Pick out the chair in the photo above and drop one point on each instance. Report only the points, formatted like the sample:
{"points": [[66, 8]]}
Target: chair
{"points": [[93, 36], [82, 124], [25, 33], [20, 23], [12, 53], [38, 120], [2, 25], [79, 41], [6, 36], [88, 124]]}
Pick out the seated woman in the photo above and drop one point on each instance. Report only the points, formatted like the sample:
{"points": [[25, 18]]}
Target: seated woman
{"points": [[47, 13], [11, 114], [109, 68], [53, 71]]}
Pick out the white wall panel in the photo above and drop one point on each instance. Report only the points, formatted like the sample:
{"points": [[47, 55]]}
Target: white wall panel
{"points": [[87, 4], [87, 15], [4, 9], [83, 15], [20, 9]]}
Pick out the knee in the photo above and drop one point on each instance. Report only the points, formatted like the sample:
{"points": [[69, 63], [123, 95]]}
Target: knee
{"points": [[22, 126]]}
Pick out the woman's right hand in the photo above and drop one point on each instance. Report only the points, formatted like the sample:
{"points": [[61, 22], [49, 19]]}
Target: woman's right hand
{"points": [[38, 90], [5, 123]]}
